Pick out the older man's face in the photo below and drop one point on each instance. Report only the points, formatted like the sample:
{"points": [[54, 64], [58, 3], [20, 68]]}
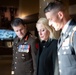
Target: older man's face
{"points": [[20, 30]]}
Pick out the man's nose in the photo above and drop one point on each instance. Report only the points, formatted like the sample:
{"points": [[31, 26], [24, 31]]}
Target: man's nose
{"points": [[40, 33], [19, 32]]}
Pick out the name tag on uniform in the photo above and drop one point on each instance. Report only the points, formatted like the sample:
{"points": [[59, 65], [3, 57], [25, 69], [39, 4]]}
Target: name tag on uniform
{"points": [[24, 48]]}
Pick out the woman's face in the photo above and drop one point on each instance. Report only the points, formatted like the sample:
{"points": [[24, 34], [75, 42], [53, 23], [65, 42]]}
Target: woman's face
{"points": [[43, 32]]}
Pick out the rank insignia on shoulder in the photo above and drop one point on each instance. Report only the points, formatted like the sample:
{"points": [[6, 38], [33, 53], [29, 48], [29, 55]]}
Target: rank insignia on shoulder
{"points": [[24, 48]]}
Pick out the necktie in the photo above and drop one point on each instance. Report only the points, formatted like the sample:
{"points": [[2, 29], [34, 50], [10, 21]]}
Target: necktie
{"points": [[60, 39]]}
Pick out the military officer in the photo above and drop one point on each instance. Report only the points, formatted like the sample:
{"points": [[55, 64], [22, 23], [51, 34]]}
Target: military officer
{"points": [[59, 18], [24, 50]]}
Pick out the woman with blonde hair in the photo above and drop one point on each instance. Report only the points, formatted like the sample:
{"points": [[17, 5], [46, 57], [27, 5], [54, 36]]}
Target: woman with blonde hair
{"points": [[47, 48]]}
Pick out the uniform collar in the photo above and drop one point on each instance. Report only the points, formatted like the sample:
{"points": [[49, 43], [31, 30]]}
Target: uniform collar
{"points": [[65, 27]]}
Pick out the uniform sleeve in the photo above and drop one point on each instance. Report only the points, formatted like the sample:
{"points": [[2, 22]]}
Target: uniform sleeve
{"points": [[33, 53], [12, 72], [74, 42]]}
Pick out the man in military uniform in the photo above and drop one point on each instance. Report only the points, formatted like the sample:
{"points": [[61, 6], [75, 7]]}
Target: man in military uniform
{"points": [[59, 18], [24, 50]]}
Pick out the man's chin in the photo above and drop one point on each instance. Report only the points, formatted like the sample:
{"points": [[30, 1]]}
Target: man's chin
{"points": [[56, 29], [20, 37]]}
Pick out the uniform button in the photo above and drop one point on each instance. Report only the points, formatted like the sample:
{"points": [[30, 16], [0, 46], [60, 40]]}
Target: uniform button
{"points": [[64, 53], [16, 57], [59, 62], [22, 54], [60, 71], [15, 67], [12, 72], [58, 53], [16, 52], [43, 46], [15, 62]]}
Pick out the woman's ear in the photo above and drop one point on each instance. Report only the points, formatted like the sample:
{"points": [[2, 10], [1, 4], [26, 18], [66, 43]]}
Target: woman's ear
{"points": [[60, 14]]}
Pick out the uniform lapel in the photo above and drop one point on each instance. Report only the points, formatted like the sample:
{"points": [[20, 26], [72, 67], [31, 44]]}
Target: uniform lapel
{"points": [[63, 37], [20, 42], [25, 38]]}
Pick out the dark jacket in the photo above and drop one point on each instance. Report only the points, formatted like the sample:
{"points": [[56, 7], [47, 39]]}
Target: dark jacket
{"points": [[67, 51], [46, 57], [24, 56]]}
